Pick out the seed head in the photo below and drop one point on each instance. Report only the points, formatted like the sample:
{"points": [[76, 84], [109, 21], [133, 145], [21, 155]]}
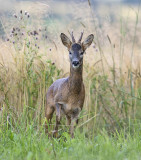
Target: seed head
{"points": [[28, 15], [15, 15], [25, 12], [35, 33]]}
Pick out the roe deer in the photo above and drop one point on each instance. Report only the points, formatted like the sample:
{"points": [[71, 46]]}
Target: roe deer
{"points": [[67, 95]]}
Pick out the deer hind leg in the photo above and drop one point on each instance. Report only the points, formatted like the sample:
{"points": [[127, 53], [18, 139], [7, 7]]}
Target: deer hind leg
{"points": [[48, 115], [58, 118]]}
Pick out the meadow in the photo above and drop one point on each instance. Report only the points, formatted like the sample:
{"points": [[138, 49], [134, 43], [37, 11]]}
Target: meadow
{"points": [[32, 57]]}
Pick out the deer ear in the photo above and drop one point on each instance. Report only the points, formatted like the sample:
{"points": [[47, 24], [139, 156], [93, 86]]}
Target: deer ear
{"points": [[88, 41], [65, 40]]}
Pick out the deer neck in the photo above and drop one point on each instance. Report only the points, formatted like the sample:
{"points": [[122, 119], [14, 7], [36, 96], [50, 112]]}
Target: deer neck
{"points": [[76, 79]]}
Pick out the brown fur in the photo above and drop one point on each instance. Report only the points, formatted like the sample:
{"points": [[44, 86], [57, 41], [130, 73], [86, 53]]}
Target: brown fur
{"points": [[66, 95]]}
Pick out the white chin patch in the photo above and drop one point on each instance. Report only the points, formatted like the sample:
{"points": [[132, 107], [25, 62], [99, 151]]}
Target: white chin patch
{"points": [[75, 67]]}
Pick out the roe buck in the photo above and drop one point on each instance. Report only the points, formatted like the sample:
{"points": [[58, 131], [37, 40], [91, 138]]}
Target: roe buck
{"points": [[67, 95]]}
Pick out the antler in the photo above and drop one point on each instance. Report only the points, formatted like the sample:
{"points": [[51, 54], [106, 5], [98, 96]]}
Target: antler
{"points": [[79, 41], [73, 40]]}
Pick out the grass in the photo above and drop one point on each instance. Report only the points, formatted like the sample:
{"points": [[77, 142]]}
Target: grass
{"points": [[110, 121], [34, 144]]}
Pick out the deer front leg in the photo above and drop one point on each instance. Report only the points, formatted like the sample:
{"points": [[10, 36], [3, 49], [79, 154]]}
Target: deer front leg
{"points": [[68, 122], [58, 118], [72, 127], [74, 120]]}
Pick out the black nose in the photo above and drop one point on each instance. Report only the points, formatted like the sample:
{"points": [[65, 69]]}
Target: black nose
{"points": [[75, 63]]}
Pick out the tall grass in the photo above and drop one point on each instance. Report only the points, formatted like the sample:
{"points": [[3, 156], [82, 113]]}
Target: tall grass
{"points": [[114, 95], [24, 81]]}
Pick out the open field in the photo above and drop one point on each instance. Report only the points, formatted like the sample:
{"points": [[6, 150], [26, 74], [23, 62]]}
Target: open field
{"points": [[32, 57]]}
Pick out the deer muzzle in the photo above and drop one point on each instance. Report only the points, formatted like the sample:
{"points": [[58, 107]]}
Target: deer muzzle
{"points": [[75, 63]]}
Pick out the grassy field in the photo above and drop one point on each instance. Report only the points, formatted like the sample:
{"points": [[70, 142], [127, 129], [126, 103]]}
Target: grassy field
{"points": [[34, 144], [32, 58]]}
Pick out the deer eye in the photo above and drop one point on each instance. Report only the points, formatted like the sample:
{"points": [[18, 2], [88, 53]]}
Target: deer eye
{"points": [[81, 53], [69, 52]]}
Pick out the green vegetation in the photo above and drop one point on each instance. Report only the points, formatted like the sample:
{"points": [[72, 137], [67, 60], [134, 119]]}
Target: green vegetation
{"points": [[31, 143], [110, 122]]}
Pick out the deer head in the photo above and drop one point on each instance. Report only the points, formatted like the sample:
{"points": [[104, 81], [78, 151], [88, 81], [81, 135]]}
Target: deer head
{"points": [[76, 49]]}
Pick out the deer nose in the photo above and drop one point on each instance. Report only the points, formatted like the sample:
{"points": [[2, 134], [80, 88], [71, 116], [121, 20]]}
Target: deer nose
{"points": [[75, 63]]}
